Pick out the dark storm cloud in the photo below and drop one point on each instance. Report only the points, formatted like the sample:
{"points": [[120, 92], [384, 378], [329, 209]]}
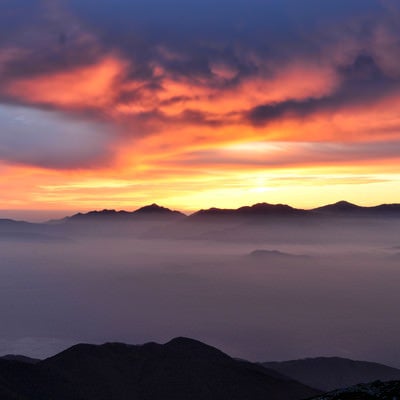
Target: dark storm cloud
{"points": [[200, 31], [40, 37], [15, 14], [138, 52], [184, 37], [195, 33], [180, 22]]}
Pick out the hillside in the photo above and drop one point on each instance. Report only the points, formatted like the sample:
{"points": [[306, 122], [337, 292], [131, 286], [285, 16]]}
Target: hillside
{"points": [[330, 373], [372, 391], [180, 369]]}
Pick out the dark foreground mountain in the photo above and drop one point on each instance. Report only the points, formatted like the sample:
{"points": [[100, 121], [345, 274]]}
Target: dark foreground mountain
{"points": [[330, 373], [372, 391], [181, 369], [23, 359]]}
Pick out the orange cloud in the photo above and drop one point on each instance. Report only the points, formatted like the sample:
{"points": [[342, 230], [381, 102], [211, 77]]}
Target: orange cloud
{"points": [[187, 140], [298, 80], [85, 87]]}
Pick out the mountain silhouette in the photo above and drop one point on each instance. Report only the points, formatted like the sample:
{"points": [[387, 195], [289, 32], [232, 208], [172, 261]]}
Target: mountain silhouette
{"points": [[21, 231], [181, 369], [152, 211], [350, 209], [330, 373], [254, 213], [371, 391], [10, 225], [340, 206], [271, 255], [256, 210], [156, 209], [19, 358]]}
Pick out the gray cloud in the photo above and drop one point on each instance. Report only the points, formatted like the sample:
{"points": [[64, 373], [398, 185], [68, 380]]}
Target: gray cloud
{"points": [[51, 139]]}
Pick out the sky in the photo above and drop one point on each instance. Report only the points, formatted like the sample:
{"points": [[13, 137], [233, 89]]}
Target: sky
{"points": [[193, 104]]}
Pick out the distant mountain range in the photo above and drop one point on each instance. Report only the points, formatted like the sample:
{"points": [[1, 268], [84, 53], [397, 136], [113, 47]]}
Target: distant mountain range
{"points": [[330, 373], [181, 369], [152, 211], [260, 210], [154, 221], [341, 208]]}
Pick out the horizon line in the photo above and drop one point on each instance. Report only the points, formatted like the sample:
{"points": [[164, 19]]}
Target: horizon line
{"points": [[185, 212]]}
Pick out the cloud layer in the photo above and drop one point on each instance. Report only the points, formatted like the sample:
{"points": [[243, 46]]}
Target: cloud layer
{"points": [[142, 85]]}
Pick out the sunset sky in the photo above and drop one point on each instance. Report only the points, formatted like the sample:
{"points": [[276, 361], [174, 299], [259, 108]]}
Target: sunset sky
{"points": [[193, 104]]}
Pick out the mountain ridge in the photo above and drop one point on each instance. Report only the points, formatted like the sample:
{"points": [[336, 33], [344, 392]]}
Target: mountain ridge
{"points": [[152, 210], [20, 358], [340, 208], [180, 369], [331, 373]]}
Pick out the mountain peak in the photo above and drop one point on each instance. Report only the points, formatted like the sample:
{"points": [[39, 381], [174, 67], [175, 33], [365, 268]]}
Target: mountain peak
{"points": [[184, 341], [340, 206], [180, 369], [191, 346], [152, 211], [96, 214], [345, 204], [153, 208]]}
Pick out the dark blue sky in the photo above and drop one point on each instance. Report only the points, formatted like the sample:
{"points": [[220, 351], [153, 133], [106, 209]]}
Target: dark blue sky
{"points": [[254, 23]]}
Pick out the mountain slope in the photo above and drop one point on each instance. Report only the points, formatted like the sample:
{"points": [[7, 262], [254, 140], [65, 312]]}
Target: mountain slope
{"points": [[23, 381], [372, 391], [181, 369], [24, 359], [12, 226], [330, 373]]}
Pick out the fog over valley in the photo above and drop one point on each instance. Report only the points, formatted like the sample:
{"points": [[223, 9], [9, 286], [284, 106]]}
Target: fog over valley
{"points": [[260, 286]]}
